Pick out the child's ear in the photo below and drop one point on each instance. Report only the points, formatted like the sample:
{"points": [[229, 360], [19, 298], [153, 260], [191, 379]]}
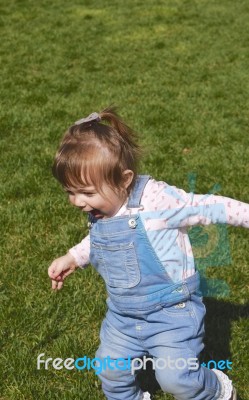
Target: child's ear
{"points": [[128, 176]]}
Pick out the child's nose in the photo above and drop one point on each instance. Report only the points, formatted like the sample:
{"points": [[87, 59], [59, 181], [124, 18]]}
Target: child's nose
{"points": [[79, 202]]}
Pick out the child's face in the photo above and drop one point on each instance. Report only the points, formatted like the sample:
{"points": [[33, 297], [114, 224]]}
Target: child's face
{"points": [[101, 205]]}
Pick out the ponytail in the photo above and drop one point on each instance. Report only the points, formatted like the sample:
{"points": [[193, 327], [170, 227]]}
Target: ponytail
{"points": [[97, 149], [111, 116]]}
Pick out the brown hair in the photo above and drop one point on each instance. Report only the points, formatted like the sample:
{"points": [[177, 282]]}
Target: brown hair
{"points": [[97, 152]]}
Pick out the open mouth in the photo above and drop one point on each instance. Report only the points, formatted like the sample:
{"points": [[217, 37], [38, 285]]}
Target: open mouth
{"points": [[96, 214]]}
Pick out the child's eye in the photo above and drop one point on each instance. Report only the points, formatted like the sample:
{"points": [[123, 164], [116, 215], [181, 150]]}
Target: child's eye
{"points": [[88, 194], [80, 191]]}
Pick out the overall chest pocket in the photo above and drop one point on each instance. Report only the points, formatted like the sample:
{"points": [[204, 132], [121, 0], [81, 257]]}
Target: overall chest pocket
{"points": [[117, 264]]}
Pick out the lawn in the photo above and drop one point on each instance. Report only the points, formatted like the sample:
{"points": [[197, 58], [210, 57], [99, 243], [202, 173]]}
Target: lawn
{"points": [[178, 70]]}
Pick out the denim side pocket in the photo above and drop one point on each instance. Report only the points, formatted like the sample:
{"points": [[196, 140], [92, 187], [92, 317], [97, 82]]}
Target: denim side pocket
{"points": [[178, 310], [117, 264]]}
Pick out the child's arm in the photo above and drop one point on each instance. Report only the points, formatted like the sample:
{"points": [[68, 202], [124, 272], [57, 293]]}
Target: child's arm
{"points": [[63, 266], [60, 268], [210, 209], [174, 208]]}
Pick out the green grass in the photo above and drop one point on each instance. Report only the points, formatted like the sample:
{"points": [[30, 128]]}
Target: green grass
{"points": [[179, 72]]}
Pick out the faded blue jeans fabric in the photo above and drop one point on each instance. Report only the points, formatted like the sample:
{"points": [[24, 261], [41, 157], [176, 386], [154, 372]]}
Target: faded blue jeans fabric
{"points": [[148, 314]]}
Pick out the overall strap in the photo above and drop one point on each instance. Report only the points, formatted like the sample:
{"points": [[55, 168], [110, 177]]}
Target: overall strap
{"points": [[137, 191]]}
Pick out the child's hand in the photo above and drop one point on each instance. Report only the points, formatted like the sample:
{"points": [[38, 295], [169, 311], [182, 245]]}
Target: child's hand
{"points": [[60, 268]]}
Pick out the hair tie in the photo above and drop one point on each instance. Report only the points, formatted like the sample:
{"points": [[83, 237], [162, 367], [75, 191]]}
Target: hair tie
{"points": [[92, 117]]}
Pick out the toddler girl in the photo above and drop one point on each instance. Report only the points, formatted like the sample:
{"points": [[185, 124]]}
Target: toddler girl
{"points": [[139, 244]]}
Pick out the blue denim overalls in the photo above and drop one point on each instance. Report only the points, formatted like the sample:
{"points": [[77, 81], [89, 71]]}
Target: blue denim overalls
{"points": [[147, 313]]}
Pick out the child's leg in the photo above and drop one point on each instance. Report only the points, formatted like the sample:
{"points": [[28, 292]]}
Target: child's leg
{"points": [[201, 384], [188, 385], [175, 339], [115, 354]]}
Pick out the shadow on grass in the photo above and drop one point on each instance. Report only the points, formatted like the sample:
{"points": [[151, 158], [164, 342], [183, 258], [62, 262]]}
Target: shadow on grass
{"points": [[218, 322]]}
